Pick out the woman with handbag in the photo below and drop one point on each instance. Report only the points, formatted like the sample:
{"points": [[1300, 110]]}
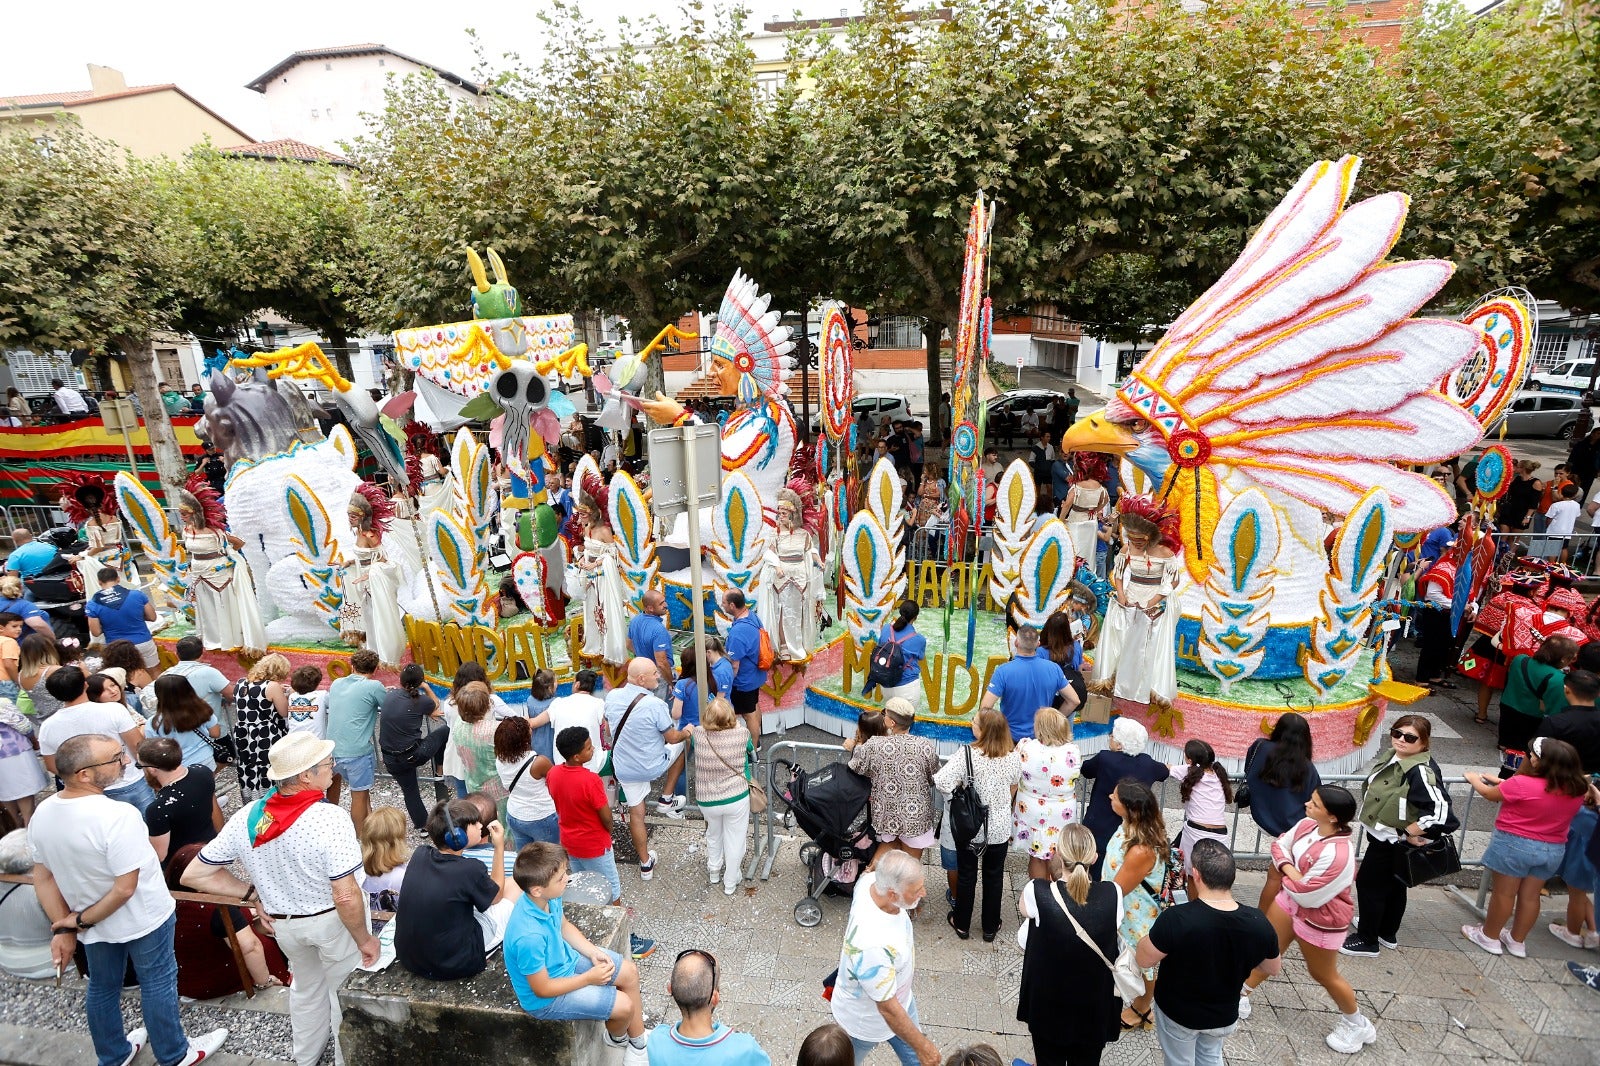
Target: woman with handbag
{"points": [[1136, 859], [1070, 925], [1316, 866], [1537, 806], [990, 767], [530, 812], [724, 760], [1404, 808], [181, 714]]}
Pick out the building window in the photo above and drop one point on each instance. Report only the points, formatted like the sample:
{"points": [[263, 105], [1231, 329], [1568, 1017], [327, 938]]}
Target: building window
{"points": [[380, 61], [768, 82], [1550, 349], [897, 331], [327, 66], [32, 371], [168, 367]]}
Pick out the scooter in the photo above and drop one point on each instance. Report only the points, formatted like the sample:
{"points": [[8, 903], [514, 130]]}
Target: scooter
{"points": [[57, 590]]}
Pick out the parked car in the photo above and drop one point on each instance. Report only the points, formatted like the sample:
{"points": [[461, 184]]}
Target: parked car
{"points": [[1571, 376], [1006, 413], [1539, 414], [880, 405]]}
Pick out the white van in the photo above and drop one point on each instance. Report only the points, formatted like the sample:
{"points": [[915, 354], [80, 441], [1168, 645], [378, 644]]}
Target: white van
{"points": [[1570, 377]]}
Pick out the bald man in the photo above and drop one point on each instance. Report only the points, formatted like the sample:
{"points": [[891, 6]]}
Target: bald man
{"points": [[648, 636], [644, 743]]}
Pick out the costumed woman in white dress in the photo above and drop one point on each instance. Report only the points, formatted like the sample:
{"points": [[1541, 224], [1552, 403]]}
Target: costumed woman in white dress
{"points": [[226, 615], [1137, 656], [1085, 504], [431, 475], [88, 503], [789, 593], [599, 581], [370, 614]]}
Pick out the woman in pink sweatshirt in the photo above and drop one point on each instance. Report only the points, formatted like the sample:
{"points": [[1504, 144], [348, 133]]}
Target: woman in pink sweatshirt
{"points": [[1317, 859]]}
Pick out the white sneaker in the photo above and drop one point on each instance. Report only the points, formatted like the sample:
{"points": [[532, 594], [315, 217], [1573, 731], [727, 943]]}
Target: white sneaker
{"points": [[647, 870], [1244, 1006], [614, 1041], [671, 807], [1474, 933], [1518, 949], [1592, 941], [637, 1054], [713, 876], [203, 1047], [728, 890], [1350, 1036], [138, 1039]]}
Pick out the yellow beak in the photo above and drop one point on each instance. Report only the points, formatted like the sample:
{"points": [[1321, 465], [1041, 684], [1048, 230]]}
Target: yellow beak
{"points": [[1096, 434]]}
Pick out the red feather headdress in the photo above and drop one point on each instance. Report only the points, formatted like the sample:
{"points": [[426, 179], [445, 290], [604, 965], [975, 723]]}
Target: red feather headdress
{"points": [[1165, 521], [211, 508], [597, 496], [382, 506], [1090, 465], [76, 490], [810, 506]]}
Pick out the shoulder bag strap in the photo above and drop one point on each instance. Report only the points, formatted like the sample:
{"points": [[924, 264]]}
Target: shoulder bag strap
{"points": [[970, 783], [520, 771], [1055, 890], [625, 716], [712, 748]]}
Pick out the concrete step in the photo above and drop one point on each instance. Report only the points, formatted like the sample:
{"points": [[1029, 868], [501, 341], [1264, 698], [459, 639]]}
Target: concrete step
{"points": [[23, 1046]]}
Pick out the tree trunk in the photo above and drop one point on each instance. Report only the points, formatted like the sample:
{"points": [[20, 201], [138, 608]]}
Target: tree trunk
{"points": [[169, 461], [932, 333], [339, 341]]}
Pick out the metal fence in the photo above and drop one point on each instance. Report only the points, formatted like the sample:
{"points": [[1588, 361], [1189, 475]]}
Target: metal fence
{"points": [[1581, 551], [1256, 845]]}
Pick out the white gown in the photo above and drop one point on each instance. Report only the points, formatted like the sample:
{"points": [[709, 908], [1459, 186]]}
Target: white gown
{"points": [[1140, 653], [1082, 521], [105, 549], [789, 592], [372, 588], [605, 618], [225, 613]]}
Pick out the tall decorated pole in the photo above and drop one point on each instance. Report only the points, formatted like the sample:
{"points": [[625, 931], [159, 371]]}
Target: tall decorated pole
{"points": [[966, 500]]}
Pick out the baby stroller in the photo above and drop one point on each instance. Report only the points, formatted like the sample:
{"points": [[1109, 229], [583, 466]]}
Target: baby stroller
{"points": [[831, 805]]}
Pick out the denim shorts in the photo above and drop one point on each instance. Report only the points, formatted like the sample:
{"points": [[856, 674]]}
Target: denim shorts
{"points": [[948, 859], [604, 865], [357, 772], [1517, 856], [588, 1003]]}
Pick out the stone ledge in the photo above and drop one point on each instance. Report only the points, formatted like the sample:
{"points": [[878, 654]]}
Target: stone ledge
{"points": [[24, 1046], [396, 1016]]}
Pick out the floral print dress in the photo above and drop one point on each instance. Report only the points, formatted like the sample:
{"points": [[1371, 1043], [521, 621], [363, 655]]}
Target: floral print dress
{"points": [[1045, 797], [1139, 910]]}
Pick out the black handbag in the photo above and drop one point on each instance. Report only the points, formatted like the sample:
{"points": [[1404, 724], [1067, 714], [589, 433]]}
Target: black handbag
{"points": [[969, 815], [1428, 862], [223, 750], [1241, 795]]}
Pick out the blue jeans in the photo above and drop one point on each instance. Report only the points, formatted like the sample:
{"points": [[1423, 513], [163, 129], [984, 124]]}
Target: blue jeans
{"points": [[1182, 1046], [137, 793], [604, 865], [157, 966], [902, 1050], [524, 833]]}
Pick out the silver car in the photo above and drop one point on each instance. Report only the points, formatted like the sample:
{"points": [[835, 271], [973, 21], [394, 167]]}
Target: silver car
{"points": [[1539, 414]]}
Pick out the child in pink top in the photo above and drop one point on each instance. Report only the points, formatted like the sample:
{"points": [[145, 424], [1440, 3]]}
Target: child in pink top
{"points": [[1530, 834]]}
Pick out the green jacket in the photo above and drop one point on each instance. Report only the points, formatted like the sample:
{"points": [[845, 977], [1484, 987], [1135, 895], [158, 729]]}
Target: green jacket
{"points": [[1401, 791]]}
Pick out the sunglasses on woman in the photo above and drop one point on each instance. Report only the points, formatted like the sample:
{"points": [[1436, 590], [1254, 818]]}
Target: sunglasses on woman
{"points": [[1401, 734]]}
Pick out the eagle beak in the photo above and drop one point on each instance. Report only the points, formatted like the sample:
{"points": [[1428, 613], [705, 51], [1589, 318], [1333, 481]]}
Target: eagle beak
{"points": [[1096, 434]]}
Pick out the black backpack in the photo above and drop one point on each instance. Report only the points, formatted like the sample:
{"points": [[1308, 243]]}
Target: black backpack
{"points": [[968, 814], [887, 665]]}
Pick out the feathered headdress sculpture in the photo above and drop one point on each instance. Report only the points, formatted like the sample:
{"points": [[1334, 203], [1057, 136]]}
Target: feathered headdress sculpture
{"points": [[198, 494], [378, 508], [753, 340], [83, 493], [1147, 510], [1301, 371]]}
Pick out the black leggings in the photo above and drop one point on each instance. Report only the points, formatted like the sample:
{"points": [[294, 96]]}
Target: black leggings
{"points": [[1435, 642], [994, 872], [1380, 895], [403, 768]]}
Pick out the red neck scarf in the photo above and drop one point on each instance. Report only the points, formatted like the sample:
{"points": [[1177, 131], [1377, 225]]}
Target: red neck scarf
{"points": [[273, 814]]}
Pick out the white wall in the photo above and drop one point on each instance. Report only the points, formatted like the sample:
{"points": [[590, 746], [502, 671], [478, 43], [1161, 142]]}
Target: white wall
{"points": [[321, 101]]}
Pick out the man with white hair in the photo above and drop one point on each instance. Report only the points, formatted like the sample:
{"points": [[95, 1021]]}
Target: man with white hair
{"points": [[98, 880], [1124, 757], [644, 742], [872, 996], [302, 855], [1029, 681]]}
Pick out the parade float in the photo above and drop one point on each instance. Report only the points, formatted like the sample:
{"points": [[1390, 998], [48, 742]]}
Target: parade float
{"points": [[1269, 498]]}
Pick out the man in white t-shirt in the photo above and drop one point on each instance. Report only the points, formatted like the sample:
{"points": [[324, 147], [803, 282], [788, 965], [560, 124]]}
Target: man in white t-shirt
{"points": [[98, 880], [303, 857], [581, 708], [872, 996], [79, 718], [1560, 521]]}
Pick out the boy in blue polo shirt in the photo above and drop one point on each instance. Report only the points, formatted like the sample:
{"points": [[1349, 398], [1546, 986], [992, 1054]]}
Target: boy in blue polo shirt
{"points": [[557, 974]]}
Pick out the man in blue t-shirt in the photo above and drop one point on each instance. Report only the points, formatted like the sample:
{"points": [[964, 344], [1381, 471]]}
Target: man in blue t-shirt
{"points": [[30, 556], [1029, 681], [744, 649], [556, 973], [648, 636], [119, 613], [699, 1039]]}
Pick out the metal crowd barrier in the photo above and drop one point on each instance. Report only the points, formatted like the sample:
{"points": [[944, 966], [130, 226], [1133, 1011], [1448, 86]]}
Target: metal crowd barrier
{"points": [[1582, 548]]}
